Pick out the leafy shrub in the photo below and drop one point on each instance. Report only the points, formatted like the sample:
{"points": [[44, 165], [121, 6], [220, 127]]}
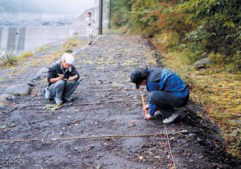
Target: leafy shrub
{"points": [[167, 39], [205, 26], [190, 55], [121, 9]]}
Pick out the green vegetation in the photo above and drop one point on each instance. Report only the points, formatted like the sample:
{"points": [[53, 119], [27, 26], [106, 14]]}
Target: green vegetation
{"points": [[10, 60], [186, 31], [121, 10], [198, 26], [72, 43], [219, 93]]}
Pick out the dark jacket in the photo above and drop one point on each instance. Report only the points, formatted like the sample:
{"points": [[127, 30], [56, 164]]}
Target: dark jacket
{"points": [[57, 69], [165, 80]]}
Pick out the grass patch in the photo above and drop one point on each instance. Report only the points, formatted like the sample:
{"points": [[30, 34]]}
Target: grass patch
{"points": [[73, 43], [69, 44], [11, 60], [43, 49], [25, 55]]}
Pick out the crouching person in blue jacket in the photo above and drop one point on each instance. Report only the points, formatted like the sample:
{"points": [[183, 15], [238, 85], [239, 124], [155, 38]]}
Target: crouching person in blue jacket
{"points": [[166, 91]]}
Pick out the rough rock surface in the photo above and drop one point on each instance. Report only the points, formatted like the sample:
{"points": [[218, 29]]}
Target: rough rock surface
{"points": [[42, 73], [203, 63], [18, 90]]}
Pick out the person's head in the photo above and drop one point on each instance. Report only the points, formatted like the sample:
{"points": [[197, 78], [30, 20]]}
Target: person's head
{"points": [[139, 77], [89, 13], [67, 60]]}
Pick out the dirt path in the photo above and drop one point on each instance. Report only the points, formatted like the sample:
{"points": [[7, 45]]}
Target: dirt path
{"points": [[107, 105]]}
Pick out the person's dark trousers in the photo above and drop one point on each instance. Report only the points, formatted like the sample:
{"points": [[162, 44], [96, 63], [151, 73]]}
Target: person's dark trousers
{"points": [[62, 89], [69, 89], [166, 102]]}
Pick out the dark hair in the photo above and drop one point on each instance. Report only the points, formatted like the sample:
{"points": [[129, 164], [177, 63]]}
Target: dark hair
{"points": [[145, 73], [139, 75]]}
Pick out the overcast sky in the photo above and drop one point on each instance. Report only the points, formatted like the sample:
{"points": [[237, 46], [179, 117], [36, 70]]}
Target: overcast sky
{"points": [[67, 6]]}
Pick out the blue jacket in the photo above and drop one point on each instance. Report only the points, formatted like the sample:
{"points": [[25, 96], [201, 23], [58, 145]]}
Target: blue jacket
{"points": [[165, 80]]}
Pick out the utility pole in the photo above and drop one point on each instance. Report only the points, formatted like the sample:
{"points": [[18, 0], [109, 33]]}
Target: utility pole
{"points": [[100, 17], [110, 13]]}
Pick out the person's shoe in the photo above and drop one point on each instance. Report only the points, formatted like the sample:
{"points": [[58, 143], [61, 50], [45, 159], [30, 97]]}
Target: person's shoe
{"points": [[171, 118], [58, 101], [46, 93], [68, 99]]}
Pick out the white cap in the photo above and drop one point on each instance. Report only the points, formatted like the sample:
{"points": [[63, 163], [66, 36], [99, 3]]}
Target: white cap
{"points": [[68, 58]]}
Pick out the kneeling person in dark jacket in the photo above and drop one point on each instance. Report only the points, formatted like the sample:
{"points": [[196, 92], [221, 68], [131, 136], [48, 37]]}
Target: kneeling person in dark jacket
{"points": [[166, 91], [63, 80]]}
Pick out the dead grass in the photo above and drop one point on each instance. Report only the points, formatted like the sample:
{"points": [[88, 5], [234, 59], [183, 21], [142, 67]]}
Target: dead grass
{"points": [[11, 60], [73, 43], [43, 49]]}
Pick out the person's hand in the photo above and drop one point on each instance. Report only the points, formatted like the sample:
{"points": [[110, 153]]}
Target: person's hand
{"points": [[148, 116], [72, 78], [61, 76], [145, 108]]}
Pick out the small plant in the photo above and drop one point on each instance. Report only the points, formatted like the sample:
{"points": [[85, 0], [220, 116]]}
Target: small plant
{"points": [[43, 48], [7, 59], [25, 55], [71, 43]]}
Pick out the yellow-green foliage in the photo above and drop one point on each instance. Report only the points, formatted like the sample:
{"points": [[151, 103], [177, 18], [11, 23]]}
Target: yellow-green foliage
{"points": [[25, 55], [167, 39], [210, 26], [43, 48], [216, 57], [220, 94], [72, 43], [10, 60], [187, 56]]}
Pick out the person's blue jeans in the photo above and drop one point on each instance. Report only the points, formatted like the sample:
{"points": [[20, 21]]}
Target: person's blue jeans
{"points": [[168, 101], [62, 89]]}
